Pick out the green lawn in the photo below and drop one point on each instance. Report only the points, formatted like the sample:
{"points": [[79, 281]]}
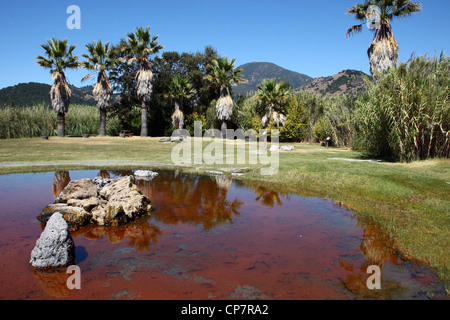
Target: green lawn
{"points": [[410, 202]]}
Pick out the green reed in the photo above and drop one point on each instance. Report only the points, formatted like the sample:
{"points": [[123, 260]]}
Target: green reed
{"points": [[39, 120], [406, 115]]}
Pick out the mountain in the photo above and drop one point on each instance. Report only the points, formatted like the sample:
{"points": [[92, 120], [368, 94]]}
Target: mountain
{"points": [[32, 93], [345, 82], [256, 72]]}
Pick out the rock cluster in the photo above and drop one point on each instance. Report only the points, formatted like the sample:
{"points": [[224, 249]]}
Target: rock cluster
{"points": [[55, 247], [102, 201], [145, 174], [274, 148]]}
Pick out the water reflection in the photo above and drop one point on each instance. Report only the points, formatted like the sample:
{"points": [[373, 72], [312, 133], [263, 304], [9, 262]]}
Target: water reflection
{"points": [[207, 202], [377, 249], [196, 200], [264, 195], [104, 174], [62, 179], [139, 234], [53, 283]]}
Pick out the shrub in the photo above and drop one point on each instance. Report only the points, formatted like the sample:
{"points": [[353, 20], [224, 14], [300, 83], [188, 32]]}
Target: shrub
{"points": [[295, 128], [407, 113], [190, 122]]}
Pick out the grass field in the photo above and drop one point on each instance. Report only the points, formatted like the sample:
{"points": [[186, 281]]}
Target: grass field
{"points": [[410, 202]]}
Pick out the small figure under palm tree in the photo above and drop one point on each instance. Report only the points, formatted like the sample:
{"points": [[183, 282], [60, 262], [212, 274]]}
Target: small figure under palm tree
{"points": [[59, 57]]}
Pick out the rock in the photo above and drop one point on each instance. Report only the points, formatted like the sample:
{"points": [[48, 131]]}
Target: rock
{"points": [[146, 174], [176, 139], [55, 247], [274, 148], [286, 148], [77, 189], [214, 172], [101, 182], [74, 216], [237, 174], [117, 202], [125, 202]]}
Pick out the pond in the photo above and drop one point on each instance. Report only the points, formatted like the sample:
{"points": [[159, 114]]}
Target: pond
{"points": [[210, 237]]}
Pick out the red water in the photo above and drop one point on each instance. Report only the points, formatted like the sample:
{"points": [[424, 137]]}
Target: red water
{"points": [[209, 238]]}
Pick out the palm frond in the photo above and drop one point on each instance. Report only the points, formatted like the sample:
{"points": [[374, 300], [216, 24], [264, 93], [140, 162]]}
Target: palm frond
{"points": [[86, 77], [404, 8], [359, 11], [59, 56], [355, 29]]}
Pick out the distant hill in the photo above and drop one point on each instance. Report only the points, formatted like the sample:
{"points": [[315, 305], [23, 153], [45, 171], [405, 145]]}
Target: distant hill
{"points": [[256, 72], [345, 82], [32, 93]]}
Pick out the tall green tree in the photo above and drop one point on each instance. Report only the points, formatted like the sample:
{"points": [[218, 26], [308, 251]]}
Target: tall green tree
{"points": [[59, 56], [383, 51], [222, 72], [100, 59], [140, 46], [178, 91], [273, 95]]}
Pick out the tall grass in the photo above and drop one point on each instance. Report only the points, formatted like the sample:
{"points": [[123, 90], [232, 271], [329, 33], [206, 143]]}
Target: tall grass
{"points": [[39, 120], [406, 115], [329, 117]]}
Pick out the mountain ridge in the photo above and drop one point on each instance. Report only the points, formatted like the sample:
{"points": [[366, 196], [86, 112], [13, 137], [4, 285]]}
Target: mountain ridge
{"points": [[255, 72], [32, 93], [344, 82]]}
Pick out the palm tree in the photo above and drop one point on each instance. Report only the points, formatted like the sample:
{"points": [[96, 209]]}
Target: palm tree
{"points": [[101, 58], [273, 95], [59, 57], [140, 46], [383, 51], [223, 74], [178, 90]]}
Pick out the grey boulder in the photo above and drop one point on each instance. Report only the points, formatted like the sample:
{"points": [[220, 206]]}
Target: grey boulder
{"points": [[55, 247]]}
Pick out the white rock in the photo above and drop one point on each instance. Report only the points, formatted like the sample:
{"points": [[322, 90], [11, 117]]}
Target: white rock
{"points": [[214, 172], [274, 148], [176, 139], [287, 148], [146, 173], [55, 247]]}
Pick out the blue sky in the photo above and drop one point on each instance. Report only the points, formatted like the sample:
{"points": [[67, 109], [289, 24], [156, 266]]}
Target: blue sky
{"points": [[300, 35]]}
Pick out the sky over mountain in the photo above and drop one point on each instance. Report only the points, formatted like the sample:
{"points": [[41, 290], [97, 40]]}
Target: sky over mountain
{"points": [[303, 36]]}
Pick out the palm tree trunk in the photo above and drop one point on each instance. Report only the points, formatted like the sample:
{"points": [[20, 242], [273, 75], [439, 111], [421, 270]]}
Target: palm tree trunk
{"points": [[144, 117], [383, 51], [103, 122], [224, 129], [61, 124]]}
